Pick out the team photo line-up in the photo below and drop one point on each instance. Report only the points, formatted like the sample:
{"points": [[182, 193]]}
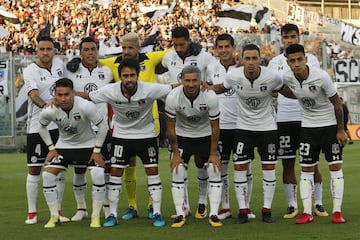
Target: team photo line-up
{"points": [[99, 114]]}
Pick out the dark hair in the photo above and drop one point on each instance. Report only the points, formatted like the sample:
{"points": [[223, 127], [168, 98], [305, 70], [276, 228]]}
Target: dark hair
{"points": [[64, 82], [130, 63], [294, 48], [289, 27], [46, 39], [226, 37], [250, 47], [87, 39], [180, 32]]}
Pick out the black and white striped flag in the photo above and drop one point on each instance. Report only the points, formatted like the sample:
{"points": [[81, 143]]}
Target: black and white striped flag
{"points": [[261, 15], [238, 16]]}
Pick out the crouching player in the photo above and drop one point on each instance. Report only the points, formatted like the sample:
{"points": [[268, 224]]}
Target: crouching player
{"points": [[77, 145]]}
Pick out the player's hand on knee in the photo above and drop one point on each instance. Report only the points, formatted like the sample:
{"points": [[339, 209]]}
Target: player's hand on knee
{"points": [[215, 161], [175, 162], [98, 159]]}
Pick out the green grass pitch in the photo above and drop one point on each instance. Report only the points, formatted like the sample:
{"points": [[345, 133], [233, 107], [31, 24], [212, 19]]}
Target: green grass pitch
{"points": [[13, 208]]}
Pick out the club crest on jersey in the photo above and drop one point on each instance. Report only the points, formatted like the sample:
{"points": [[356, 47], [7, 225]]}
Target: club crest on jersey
{"points": [[229, 92], [335, 148], [52, 90], [193, 119], [271, 148], [307, 102], [141, 102], [77, 117], [142, 68], [193, 64], [203, 108], [101, 76], [59, 72], [90, 87], [173, 63], [312, 88], [263, 88], [181, 108], [151, 152]]}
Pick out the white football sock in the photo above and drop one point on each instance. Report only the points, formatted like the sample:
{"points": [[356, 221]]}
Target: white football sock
{"points": [[79, 187], [337, 189], [215, 186], [225, 201], [306, 190], [318, 192], [269, 184], [177, 189], [290, 190], [203, 178], [114, 190], [32, 190], [250, 184], [49, 187], [155, 190], [60, 187], [241, 188], [98, 189]]}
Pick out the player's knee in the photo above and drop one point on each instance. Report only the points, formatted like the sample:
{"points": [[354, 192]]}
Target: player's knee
{"points": [[214, 175], [97, 175], [178, 175]]}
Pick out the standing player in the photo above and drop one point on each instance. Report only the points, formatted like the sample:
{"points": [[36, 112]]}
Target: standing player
{"points": [[148, 63], [77, 145], [89, 76], [322, 129], [289, 121], [193, 128], [187, 53], [39, 78], [255, 127], [133, 134], [215, 74]]}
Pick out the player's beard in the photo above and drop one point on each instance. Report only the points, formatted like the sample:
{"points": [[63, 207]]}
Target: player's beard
{"points": [[130, 87]]}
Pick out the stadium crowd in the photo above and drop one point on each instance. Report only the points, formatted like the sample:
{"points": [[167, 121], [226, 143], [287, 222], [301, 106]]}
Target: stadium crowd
{"points": [[72, 21]]}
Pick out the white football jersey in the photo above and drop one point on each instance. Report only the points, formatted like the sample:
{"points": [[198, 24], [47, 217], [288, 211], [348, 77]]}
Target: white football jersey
{"points": [[74, 126], [215, 74], [255, 109], [133, 117], [43, 80], [313, 95], [192, 118], [87, 81], [288, 109], [175, 64]]}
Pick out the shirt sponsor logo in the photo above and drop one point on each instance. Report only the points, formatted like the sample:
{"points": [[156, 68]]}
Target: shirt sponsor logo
{"points": [[307, 102], [132, 115], [90, 87], [252, 102]]}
